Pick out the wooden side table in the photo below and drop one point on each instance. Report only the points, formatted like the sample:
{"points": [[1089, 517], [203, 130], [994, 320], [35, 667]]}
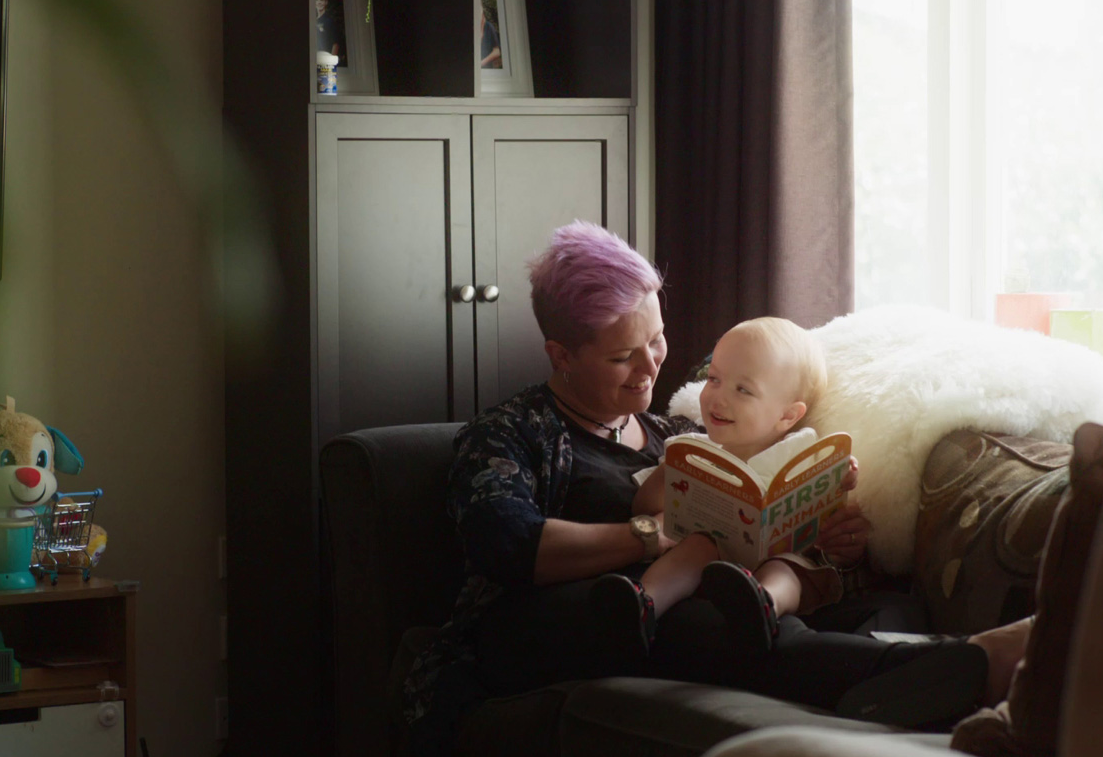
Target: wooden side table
{"points": [[75, 643]]}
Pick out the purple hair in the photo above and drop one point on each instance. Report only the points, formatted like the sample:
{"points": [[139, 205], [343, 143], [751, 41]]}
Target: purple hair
{"points": [[587, 279]]}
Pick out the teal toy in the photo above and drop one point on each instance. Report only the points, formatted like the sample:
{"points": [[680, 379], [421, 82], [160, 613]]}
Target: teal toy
{"points": [[29, 454], [10, 669]]}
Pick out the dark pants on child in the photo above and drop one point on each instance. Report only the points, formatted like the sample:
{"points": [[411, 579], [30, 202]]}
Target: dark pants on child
{"points": [[536, 637]]}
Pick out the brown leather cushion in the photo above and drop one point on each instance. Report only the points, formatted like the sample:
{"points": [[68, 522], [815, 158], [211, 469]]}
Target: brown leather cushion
{"points": [[985, 509]]}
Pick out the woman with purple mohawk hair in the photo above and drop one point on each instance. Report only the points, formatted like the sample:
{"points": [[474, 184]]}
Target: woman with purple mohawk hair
{"points": [[586, 280], [541, 490], [597, 304]]}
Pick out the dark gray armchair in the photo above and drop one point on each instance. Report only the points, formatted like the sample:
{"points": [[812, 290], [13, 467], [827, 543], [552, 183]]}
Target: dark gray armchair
{"points": [[392, 566]]}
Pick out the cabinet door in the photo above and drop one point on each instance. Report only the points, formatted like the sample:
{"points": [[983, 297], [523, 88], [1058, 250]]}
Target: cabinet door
{"points": [[531, 175], [393, 221]]}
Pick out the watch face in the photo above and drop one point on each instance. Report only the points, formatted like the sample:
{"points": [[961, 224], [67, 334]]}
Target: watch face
{"points": [[646, 525]]}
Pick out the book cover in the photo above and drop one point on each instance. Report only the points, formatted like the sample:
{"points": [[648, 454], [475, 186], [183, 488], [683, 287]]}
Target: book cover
{"points": [[707, 489]]}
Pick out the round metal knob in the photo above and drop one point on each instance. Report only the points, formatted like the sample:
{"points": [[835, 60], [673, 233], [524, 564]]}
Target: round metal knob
{"points": [[466, 293], [489, 293]]}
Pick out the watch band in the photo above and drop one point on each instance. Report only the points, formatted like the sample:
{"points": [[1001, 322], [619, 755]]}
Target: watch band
{"points": [[646, 529]]}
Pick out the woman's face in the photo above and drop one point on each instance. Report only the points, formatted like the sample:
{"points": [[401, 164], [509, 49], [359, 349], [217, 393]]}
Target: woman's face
{"points": [[614, 374]]}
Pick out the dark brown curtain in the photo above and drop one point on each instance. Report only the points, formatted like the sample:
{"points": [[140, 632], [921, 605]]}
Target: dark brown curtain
{"points": [[753, 168]]}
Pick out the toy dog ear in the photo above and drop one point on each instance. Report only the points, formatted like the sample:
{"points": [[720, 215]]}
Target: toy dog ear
{"points": [[66, 457]]}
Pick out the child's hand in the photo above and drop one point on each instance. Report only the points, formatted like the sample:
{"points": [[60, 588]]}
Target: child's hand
{"points": [[665, 542], [845, 535], [850, 480]]}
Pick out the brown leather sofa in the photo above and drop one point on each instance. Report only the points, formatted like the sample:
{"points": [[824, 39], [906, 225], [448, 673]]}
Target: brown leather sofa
{"points": [[392, 566]]}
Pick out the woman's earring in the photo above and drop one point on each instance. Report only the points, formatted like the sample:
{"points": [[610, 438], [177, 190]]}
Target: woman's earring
{"points": [[566, 377]]}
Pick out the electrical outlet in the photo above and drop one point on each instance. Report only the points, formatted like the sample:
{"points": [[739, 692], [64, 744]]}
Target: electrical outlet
{"points": [[221, 718]]}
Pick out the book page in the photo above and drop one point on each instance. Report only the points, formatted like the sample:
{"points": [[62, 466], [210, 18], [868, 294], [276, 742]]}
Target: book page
{"points": [[706, 489], [805, 491]]}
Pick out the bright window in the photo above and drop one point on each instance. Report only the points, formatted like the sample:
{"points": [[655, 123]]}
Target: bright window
{"points": [[978, 130]]}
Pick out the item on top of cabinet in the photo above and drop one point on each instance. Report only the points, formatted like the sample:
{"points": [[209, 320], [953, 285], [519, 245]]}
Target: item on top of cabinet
{"points": [[30, 452], [65, 538], [327, 73]]}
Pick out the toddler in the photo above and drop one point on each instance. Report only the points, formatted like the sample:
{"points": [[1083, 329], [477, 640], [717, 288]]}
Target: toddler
{"points": [[764, 376]]}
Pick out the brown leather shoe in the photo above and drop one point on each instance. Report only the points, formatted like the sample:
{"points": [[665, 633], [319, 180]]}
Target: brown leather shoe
{"points": [[820, 585], [1026, 723]]}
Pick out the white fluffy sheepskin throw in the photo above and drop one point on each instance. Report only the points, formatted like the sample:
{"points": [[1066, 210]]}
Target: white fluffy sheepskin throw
{"points": [[901, 377]]}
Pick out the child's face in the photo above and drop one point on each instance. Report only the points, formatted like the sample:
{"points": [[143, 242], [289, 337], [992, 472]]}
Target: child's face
{"points": [[749, 401]]}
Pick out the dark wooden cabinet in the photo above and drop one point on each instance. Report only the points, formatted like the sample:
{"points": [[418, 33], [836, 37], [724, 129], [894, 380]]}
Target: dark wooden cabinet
{"points": [[75, 644], [412, 208], [361, 327]]}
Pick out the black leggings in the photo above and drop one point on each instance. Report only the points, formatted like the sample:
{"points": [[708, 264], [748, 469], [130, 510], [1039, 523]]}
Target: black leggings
{"points": [[542, 636]]}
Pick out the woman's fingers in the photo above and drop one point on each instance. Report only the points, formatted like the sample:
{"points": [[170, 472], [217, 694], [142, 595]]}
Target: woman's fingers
{"points": [[845, 520], [844, 559], [845, 534]]}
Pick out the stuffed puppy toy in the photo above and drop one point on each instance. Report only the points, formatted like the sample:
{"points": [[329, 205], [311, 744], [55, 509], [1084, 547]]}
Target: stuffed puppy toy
{"points": [[29, 454]]}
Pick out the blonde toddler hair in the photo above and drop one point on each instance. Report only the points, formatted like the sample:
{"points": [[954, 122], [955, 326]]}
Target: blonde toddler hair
{"points": [[799, 346]]}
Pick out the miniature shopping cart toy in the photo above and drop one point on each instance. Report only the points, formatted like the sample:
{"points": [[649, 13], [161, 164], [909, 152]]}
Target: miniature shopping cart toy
{"points": [[66, 539], [29, 455]]}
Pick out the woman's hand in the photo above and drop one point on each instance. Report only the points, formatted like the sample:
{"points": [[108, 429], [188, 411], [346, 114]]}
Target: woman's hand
{"points": [[568, 551], [845, 535]]}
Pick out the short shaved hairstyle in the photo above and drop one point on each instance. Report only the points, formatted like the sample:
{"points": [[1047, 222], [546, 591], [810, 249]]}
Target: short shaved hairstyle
{"points": [[586, 280]]}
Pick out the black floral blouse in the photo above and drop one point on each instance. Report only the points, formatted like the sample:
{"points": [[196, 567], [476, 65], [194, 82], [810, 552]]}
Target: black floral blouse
{"points": [[510, 474]]}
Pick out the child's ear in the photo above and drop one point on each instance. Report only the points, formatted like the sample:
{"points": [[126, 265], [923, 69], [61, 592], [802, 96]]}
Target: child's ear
{"points": [[559, 355], [793, 414]]}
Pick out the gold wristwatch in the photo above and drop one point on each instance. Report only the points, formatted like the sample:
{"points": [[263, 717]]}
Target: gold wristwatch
{"points": [[646, 529]]}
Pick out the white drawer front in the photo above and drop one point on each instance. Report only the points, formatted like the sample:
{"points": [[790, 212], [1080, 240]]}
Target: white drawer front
{"points": [[76, 728]]}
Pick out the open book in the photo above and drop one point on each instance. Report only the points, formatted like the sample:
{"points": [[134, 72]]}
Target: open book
{"points": [[708, 489]]}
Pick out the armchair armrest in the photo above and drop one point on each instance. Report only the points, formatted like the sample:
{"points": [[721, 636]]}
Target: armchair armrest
{"points": [[390, 560]]}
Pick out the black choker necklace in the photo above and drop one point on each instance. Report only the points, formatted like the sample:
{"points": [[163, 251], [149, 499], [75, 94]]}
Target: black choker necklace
{"points": [[614, 430]]}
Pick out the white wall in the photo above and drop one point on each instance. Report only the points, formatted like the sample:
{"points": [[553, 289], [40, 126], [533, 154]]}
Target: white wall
{"points": [[110, 330]]}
